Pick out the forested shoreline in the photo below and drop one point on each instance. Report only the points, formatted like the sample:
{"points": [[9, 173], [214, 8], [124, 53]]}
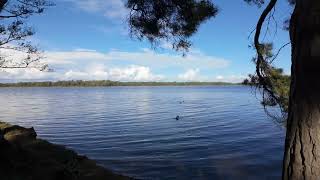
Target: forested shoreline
{"points": [[108, 83]]}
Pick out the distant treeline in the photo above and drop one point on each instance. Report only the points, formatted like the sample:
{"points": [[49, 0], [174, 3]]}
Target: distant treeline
{"points": [[106, 83]]}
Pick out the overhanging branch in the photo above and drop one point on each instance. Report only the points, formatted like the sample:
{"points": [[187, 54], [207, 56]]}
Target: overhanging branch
{"points": [[259, 47]]}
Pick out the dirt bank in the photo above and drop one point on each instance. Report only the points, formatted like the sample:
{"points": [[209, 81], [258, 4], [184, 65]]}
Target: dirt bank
{"points": [[24, 157]]}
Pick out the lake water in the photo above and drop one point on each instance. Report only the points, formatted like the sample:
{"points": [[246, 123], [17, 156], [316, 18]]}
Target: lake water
{"points": [[222, 133]]}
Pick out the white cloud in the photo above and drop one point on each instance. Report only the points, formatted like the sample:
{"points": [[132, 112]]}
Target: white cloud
{"points": [[195, 75], [71, 57], [190, 75], [220, 78], [96, 72], [230, 78], [118, 65], [129, 73], [18, 74], [145, 57], [112, 9]]}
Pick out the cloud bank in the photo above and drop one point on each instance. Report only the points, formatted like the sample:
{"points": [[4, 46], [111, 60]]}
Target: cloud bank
{"points": [[142, 65]]}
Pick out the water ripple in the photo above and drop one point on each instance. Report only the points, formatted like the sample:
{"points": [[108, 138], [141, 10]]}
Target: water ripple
{"points": [[133, 130]]}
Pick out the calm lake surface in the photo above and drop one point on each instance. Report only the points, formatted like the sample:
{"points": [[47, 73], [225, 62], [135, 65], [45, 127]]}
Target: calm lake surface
{"points": [[223, 132]]}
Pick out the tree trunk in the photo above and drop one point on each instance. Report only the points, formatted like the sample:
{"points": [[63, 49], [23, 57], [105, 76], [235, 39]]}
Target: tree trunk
{"points": [[302, 146]]}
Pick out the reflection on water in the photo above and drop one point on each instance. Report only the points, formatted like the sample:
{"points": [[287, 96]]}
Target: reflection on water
{"points": [[222, 132]]}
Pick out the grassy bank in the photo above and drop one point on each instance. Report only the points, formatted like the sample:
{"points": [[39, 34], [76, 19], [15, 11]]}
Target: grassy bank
{"points": [[24, 156]]}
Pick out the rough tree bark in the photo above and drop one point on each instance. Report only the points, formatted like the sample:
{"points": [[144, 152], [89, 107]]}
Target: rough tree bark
{"points": [[2, 3], [302, 147]]}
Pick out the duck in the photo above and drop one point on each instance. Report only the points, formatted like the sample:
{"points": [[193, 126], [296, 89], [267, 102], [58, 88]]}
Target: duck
{"points": [[178, 117]]}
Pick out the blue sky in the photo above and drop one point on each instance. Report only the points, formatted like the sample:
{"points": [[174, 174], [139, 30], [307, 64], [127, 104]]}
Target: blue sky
{"points": [[88, 39]]}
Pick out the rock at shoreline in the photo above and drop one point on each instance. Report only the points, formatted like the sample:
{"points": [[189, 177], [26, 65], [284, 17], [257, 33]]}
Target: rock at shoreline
{"points": [[23, 156]]}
